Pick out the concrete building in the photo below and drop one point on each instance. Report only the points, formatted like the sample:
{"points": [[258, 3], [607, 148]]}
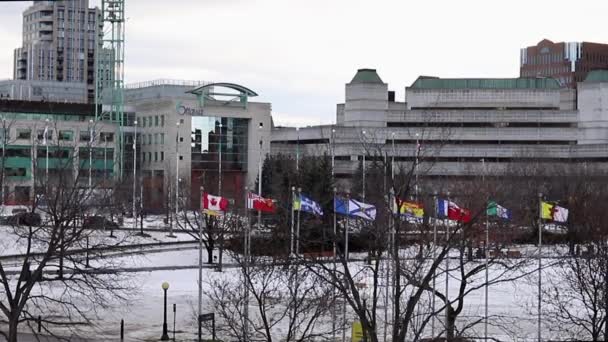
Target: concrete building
{"points": [[460, 122], [185, 129], [68, 145], [59, 43], [568, 63]]}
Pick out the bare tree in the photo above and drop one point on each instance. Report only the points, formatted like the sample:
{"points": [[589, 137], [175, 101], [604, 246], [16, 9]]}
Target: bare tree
{"points": [[50, 276]]}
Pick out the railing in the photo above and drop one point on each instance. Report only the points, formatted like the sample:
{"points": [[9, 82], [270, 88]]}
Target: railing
{"points": [[170, 82]]}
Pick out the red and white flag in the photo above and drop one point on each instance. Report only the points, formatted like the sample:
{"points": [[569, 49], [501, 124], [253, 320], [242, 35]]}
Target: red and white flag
{"points": [[257, 202], [213, 203]]}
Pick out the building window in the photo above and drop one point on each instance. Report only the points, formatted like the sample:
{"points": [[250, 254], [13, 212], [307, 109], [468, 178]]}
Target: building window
{"points": [[145, 120], [24, 133], [149, 139], [155, 138], [156, 120], [181, 157], [66, 135], [181, 121], [162, 138], [49, 135], [162, 155], [155, 156], [181, 139], [149, 156], [85, 136], [143, 156], [106, 137], [162, 121]]}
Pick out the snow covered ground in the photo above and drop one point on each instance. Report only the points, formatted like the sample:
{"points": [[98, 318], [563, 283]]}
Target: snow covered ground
{"points": [[512, 306]]}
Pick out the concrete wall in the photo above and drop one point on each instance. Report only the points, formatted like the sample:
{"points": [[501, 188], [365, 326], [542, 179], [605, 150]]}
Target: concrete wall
{"points": [[593, 113], [366, 104], [479, 98]]}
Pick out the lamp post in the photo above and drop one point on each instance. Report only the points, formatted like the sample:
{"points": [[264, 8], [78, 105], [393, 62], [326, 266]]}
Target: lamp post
{"points": [[90, 156], [176, 180], [46, 144], [298, 149], [165, 336], [333, 152], [135, 174], [363, 166]]}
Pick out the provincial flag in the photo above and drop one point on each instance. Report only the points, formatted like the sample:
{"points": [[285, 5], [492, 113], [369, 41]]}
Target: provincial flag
{"points": [[213, 204], [303, 203], [355, 209], [45, 135], [494, 209], [257, 202], [450, 210], [412, 209], [550, 211]]}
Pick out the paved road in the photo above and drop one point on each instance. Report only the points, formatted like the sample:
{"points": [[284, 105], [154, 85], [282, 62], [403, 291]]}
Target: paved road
{"points": [[32, 338]]}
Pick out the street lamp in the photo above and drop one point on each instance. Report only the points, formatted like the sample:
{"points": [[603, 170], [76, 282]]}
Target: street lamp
{"points": [[90, 155], [176, 179], [135, 174], [165, 336], [363, 164]]}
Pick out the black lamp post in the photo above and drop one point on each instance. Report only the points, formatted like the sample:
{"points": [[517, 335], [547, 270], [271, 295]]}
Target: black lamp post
{"points": [[165, 336]]}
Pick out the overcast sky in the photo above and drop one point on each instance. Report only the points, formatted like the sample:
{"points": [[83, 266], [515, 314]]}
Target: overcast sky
{"points": [[299, 54]]}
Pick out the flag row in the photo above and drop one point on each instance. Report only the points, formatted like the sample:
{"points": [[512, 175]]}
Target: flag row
{"points": [[446, 209]]}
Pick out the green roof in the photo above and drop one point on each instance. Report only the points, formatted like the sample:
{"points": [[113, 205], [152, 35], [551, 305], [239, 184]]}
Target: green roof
{"points": [[484, 83], [597, 76], [367, 76]]}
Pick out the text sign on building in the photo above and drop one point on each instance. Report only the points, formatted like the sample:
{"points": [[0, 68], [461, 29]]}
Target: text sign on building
{"points": [[185, 110]]}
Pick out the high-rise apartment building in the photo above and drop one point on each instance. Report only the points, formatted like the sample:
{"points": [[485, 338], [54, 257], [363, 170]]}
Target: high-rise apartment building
{"points": [[59, 42], [568, 63]]}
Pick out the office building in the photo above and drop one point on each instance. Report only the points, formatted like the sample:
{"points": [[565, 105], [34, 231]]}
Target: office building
{"points": [[465, 127], [568, 63], [188, 130], [59, 43], [71, 132]]}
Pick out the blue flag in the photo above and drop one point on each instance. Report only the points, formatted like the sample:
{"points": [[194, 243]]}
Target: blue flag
{"points": [[355, 209], [304, 203]]}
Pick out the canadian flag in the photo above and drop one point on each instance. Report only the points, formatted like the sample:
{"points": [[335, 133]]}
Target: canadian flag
{"points": [[214, 203], [257, 202]]}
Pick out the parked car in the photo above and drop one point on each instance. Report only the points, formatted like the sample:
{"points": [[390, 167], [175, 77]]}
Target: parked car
{"points": [[24, 218], [98, 222]]}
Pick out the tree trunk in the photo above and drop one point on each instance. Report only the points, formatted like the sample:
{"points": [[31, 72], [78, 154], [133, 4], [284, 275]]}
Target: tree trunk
{"points": [[209, 254], [12, 328], [451, 324]]}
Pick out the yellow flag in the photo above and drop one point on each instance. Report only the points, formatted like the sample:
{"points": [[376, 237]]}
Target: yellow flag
{"points": [[546, 212], [357, 332]]}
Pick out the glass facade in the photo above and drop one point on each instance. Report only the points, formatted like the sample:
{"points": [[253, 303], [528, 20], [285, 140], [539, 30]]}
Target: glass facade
{"points": [[207, 138]]}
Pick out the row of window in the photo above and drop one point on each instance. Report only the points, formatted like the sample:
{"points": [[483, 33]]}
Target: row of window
{"points": [[147, 156], [59, 153], [152, 121], [150, 139], [62, 135]]}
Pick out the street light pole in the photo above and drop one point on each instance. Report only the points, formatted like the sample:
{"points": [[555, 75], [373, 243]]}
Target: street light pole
{"points": [[176, 180], [165, 336], [363, 166], [90, 156], [134, 174]]}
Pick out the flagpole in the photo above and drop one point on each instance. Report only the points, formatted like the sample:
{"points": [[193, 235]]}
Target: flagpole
{"points": [[298, 225], [434, 270], [416, 166], [200, 263], [291, 235], [345, 264], [540, 261], [46, 143], [219, 164], [487, 275], [333, 311], [447, 266], [246, 268]]}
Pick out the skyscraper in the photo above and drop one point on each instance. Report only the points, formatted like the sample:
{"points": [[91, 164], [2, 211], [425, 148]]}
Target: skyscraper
{"points": [[568, 63], [59, 42]]}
